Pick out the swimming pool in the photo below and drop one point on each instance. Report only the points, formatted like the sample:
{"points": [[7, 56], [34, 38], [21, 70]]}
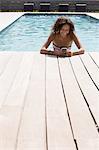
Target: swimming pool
{"points": [[30, 32]]}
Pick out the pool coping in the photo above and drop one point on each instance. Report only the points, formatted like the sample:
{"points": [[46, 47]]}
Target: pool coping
{"points": [[7, 18]]}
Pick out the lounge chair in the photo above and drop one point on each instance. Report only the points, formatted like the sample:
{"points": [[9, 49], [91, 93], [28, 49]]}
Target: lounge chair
{"points": [[63, 7], [44, 7], [28, 6], [80, 8]]}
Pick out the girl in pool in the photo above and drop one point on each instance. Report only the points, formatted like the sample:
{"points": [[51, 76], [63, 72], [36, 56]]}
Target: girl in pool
{"points": [[62, 37]]}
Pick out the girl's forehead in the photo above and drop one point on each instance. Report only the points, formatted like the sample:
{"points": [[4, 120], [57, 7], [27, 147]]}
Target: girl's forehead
{"points": [[66, 26]]}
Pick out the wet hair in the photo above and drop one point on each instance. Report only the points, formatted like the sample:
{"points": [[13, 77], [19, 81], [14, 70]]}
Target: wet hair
{"points": [[60, 22]]}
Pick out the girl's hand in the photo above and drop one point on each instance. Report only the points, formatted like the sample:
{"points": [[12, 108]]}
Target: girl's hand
{"points": [[43, 51], [57, 52], [69, 53]]}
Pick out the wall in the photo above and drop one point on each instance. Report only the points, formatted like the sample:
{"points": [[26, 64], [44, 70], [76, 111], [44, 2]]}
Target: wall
{"points": [[18, 5]]}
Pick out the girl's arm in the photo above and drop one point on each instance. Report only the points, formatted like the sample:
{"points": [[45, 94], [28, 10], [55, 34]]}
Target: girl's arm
{"points": [[77, 42], [47, 43]]}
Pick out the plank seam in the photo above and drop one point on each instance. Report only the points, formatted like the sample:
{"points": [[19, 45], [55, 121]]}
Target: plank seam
{"points": [[12, 82], [95, 122], [22, 110], [46, 128], [89, 74], [94, 60], [70, 122]]}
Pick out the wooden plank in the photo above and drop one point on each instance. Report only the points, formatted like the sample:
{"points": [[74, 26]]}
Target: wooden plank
{"points": [[92, 68], [17, 122], [87, 86], [58, 128], [7, 77], [9, 120], [19, 86], [95, 56], [32, 134], [83, 126], [9, 116], [14, 109], [4, 59]]}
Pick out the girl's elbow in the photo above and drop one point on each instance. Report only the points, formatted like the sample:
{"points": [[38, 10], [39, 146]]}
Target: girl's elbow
{"points": [[43, 51], [82, 49]]}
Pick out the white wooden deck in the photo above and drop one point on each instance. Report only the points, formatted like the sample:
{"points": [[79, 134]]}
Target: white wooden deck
{"points": [[49, 103]]}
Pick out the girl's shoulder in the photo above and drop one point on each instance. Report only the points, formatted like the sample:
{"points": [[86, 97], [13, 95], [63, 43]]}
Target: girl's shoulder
{"points": [[52, 35]]}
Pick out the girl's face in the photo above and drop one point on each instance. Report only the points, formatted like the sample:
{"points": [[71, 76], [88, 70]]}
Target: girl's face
{"points": [[65, 30]]}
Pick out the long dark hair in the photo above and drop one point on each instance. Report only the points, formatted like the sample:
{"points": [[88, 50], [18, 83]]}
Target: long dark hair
{"points": [[60, 22]]}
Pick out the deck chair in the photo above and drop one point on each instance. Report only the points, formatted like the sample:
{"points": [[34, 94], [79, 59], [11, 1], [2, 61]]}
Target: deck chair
{"points": [[28, 6], [80, 8], [44, 7], [63, 7]]}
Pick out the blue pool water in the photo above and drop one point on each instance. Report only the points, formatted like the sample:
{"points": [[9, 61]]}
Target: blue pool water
{"points": [[30, 32]]}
